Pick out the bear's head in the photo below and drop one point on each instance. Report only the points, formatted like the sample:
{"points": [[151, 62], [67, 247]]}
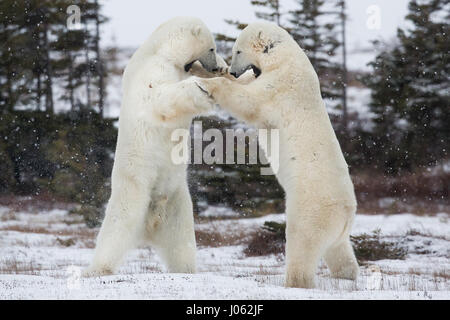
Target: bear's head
{"points": [[184, 40], [257, 47]]}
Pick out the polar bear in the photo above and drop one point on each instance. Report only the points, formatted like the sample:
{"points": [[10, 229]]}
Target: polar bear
{"points": [[150, 201], [320, 200]]}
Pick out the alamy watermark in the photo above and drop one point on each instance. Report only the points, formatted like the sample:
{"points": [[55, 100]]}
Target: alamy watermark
{"points": [[73, 278], [373, 21], [74, 19], [375, 278], [230, 149]]}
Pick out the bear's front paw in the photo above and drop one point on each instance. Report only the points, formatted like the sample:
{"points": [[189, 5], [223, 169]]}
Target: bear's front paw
{"points": [[222, 67], [210, 86], [222, 71], [201, 94], [202, 87]]}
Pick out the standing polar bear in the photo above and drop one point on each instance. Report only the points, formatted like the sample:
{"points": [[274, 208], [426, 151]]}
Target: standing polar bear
{"points": [[150, 201], [320, 201]]}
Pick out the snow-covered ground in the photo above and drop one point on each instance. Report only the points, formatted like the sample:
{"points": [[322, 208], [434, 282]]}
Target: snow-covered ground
{"points": [[41, 254]]}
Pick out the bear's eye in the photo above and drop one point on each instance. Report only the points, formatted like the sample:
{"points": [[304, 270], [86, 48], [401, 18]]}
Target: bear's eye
{"points": [[212, 49], [238, 52]]}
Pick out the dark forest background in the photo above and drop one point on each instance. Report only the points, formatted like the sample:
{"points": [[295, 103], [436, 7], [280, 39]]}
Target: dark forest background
{"points": [[57, 143]]}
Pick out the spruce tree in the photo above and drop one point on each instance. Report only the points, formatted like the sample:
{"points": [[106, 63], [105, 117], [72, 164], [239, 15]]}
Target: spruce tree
{"points": [[314, 28], [69, 45], [271, 11], [15, 61], [410, 95]]}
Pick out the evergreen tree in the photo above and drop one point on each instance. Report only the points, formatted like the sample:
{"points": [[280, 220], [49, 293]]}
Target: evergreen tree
{"points": [[314, 28], [38, 24], [344, 79], [70, 44], [271, 12], [99, 65], [94, 64], [410, 90], [225, 43], [38, 49], [14, 58], [41, 56]]}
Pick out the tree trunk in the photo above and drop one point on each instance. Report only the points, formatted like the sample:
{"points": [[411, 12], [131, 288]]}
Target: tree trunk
{"points": [[278, 13], [99, 63], [38, 93], [49, 106], [70, 79], [344, 69], [9, 100], [88, 70], [88, 78]]}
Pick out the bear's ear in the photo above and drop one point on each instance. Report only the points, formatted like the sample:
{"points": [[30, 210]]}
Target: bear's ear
{"points": [[268, 46], [259, 43], [263, 44], [196, 31]]}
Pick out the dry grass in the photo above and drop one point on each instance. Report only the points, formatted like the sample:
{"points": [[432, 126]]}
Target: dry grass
{"points": [[142, 267], [39, 203], [411, 280], [84, 237], [418, 192], [398, 205], [370, 280], [26, 229], [75, 232], [14, 266], [414, 232], [443, 274], [266, 271], [216, 239], [66, 242], [8, 216]]}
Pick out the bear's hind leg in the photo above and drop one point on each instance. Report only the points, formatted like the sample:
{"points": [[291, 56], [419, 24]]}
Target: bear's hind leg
{"points": [[173, 236], [303, 253], [121, 229], [113, 240], [310, 231], [341, 261]]}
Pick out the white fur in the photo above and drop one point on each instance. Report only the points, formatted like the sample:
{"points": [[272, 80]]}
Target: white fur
{"points": [[150, 201], [320, 201]]}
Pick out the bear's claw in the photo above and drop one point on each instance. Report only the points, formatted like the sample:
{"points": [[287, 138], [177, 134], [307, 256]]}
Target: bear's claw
{"points": [[203, 89]]}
